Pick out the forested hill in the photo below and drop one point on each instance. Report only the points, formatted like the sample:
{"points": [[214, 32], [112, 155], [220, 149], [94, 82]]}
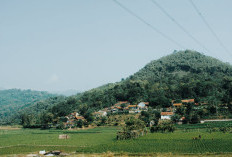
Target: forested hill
{"points": [[13, 100], [183, 74], [182, 63]]}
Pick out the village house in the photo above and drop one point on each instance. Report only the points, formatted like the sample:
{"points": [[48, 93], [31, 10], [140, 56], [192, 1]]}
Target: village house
{"points": [[177, 104], [70, 123], [182, 102], [72, 118], [166, 115], [79, 118], [132, 107], [113, 109], [188, 101], [122, 106], [181, 120], [143, 105], [100, 113], [122, 102], [72, 115]]}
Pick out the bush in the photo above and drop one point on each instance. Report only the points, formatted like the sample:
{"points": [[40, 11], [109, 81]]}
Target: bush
{"points": [[60, 126], [79, 123], [224, 129], [195, 119], [154, 129], [133, 129], [124, 135], [163, 125], [210, 130]]}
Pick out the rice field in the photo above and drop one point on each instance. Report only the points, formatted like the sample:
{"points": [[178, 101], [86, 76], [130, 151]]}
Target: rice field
{"points": [[177, 142], [33, 140], [103, 140]]}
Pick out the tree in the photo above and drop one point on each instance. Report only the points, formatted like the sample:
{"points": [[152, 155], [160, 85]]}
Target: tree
{"points": [[27, 120], [60, 125], [79, 123], [103, 120], [175, 118], [160, 101], [165, 125], [133, 128], [45, 119], [150, 115], [195, 118]]}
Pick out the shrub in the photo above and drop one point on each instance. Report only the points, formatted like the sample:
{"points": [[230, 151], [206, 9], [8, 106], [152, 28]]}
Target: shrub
{"points": [[163, 125], [79, 123], [153, 129], [224, 129], [133, 129]]}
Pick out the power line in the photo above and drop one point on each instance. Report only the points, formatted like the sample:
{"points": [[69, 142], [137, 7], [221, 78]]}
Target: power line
{"points": [[210, 28], [179, 25], [148, 24]]}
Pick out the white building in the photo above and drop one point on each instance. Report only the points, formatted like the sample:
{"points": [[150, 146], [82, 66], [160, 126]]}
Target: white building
{"points": [[166, 115], [100, 113], [141, 105]]}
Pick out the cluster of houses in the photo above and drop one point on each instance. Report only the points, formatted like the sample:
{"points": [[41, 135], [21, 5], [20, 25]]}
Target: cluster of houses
{"points": [[72, 118], [125, 106], [171, 111]]}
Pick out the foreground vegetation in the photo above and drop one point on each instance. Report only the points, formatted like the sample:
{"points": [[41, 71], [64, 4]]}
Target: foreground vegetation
{"points": [[103, 139]]}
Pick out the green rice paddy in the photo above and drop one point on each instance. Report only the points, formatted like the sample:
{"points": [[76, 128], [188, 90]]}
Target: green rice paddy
{"points": [[103, 139]]}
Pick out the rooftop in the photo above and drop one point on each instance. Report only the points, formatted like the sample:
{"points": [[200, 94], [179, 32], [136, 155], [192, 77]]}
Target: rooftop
{"points": [[166, 113]]}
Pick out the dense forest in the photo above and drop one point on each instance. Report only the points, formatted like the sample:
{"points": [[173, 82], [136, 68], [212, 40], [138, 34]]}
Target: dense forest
{"points": [[13, 100], [183, 74]]}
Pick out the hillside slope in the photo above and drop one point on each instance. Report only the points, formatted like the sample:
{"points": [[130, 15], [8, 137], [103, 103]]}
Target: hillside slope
{"points": [[13, 100], [185, 74]]}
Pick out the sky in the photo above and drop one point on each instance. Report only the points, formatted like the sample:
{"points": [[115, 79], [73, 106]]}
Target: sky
{"points": [[58, 45]]}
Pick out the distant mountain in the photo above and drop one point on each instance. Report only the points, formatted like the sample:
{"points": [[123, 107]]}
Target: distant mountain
{"points": [[1, 88], [12, 100], [69, 92]]}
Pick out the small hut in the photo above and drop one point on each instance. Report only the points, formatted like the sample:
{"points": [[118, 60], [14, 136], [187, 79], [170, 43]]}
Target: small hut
{"points": [[63, 136]]}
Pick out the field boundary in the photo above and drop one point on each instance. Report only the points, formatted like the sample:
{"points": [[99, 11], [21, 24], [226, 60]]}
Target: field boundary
{"points": [[19, 145]]}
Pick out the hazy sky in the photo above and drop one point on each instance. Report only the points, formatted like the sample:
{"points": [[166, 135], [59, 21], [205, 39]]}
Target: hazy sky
{"points": [[81, 44]]}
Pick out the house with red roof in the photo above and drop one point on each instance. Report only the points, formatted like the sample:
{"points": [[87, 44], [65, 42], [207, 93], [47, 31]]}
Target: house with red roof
{"points": [[166, 115]]}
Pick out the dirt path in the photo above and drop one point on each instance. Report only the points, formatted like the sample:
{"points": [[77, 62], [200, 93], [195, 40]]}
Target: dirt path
{"points": [[217, 120], [9, 128], [39, 146]]}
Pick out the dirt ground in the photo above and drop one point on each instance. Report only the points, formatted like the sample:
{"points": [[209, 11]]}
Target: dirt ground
{"points": [[9, 128], [109, 154]]}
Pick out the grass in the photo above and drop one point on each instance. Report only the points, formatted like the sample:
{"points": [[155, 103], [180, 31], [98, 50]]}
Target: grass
{"points": [[103, 139]]}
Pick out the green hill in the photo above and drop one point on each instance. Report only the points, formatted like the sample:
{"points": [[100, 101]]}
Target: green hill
{"points": [[183, 63], [13, 100], [183, 74]]}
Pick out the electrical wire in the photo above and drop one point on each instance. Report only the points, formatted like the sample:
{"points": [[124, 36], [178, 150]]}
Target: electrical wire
{"points": [[209, 27], [179, 25], [148, 24]]}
